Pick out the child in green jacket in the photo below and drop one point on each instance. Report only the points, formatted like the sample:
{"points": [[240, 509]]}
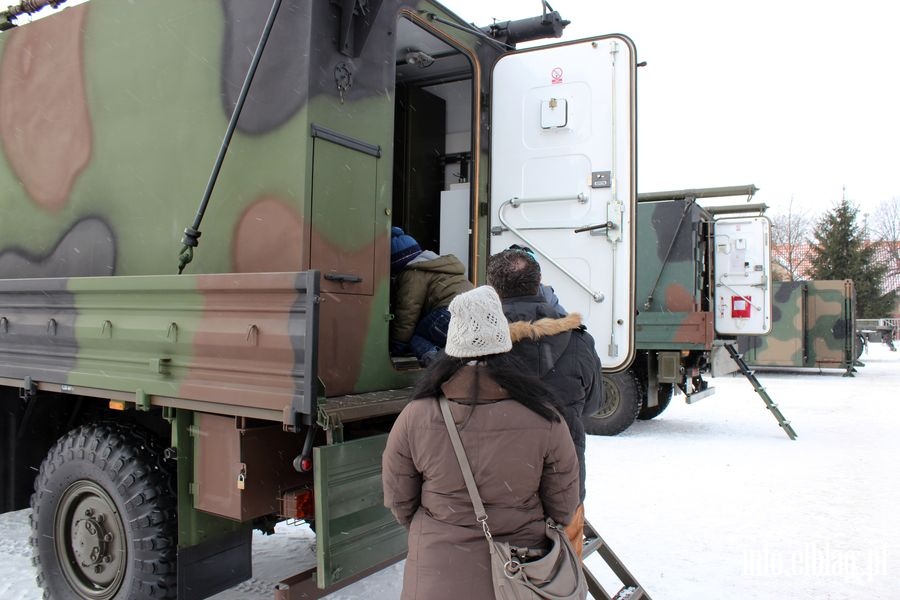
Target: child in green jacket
{"points": [[424, 285]]}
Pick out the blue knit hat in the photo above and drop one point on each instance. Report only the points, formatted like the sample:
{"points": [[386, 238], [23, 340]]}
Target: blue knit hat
{"points": [[404, 248]]}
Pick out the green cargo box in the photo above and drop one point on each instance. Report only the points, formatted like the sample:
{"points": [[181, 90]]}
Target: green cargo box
{"points": [[813, 326]]}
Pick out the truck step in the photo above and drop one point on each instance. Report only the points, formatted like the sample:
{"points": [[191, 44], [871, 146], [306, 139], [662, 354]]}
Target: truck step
{"points": [[356, 407], [405, 363], [697, 396]]}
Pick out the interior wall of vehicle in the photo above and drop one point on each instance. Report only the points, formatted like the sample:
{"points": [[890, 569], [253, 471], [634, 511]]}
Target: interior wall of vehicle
{"points": [[433, 141], [458, 98], [419, 142], [455, 229]]}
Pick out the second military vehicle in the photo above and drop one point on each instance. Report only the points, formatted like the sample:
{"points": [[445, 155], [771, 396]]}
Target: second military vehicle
{"points": [[703, 277]]}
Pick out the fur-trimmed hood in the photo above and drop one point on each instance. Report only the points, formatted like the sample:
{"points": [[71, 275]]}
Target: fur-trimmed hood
{"points": [[546, 327], [542, 342]]}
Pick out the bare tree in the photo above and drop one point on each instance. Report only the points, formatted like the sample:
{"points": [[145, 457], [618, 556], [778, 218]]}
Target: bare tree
{"points": [[885, 228], [790, 245]]}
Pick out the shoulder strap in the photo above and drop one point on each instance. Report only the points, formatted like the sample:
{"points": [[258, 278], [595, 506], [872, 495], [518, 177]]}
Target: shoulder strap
{"points": [[480, 513]]}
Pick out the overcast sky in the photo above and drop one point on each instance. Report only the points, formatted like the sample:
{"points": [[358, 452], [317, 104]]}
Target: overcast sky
{"points": [[800, 98]]}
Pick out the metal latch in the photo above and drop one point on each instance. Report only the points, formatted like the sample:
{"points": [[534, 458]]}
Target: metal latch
{"points": [[343, 277], [600, 179], [607, 225], [614, 214]]}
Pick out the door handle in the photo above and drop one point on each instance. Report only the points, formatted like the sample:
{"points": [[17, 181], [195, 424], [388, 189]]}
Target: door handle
{"points": [[343, 278], [607, 225]]}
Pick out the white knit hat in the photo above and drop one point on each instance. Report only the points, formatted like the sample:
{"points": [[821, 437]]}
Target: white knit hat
{"points": [[477, 325]]}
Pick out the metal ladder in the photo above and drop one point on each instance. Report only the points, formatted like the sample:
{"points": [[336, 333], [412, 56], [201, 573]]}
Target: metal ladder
{"points": [[631, 589], [773, 408]]}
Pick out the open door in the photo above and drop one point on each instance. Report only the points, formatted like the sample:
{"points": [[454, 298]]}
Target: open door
{"points": [[563, 177], [742, 274]]}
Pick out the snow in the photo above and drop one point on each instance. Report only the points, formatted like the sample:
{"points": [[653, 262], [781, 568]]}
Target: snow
{"points": [[706, 501]]}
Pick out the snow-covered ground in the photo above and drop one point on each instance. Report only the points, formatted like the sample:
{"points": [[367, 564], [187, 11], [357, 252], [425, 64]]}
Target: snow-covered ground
{"points": [[708, 501]]}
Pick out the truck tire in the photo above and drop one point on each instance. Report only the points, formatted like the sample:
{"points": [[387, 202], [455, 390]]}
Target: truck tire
{"points": [[103, 520], [861, 344], [663, 397], [620, 406]]}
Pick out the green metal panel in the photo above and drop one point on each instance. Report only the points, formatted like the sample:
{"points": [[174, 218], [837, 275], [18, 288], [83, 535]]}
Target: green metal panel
{"points": [[354, 530], [671, 263], [241, 339], [673, 331], [830, 323], [668, 263], [343, 205], [194, 526]]}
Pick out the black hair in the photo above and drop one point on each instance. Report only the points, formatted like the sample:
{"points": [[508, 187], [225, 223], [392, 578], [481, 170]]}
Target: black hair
{"points": [[506, 370], [525, 248], [513, 273]]}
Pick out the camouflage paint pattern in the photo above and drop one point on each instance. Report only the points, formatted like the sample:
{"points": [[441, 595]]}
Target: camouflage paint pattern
{"points": [[111, 115], [230, 343], [813, 325], [671, 276]]}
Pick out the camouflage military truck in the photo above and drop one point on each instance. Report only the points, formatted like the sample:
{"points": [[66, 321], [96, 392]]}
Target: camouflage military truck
{"points": [[813, 325], [681, 325], [153, 419]]}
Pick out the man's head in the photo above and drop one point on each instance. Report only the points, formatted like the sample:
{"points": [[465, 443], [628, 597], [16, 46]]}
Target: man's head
{"points": [[514, 272]]}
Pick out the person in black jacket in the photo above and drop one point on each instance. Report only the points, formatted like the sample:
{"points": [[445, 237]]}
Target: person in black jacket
{"points": [[557, 347]]}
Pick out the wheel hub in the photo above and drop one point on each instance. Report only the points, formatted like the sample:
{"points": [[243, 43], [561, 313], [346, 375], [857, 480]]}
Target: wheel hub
{"points": [[91, 541], [610, 404]]}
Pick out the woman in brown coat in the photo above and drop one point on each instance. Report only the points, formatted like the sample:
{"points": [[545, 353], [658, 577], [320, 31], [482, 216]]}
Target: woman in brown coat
{"points": [[520, 451]]}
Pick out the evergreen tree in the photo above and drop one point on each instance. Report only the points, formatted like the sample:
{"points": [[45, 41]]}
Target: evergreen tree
{"points": [[841, 251]]}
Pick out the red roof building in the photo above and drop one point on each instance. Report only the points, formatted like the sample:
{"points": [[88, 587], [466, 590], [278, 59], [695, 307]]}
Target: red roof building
{"points": [[798, 263]]}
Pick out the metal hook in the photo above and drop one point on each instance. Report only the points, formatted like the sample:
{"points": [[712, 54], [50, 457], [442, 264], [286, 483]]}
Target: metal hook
{"points": [[253, 331]]}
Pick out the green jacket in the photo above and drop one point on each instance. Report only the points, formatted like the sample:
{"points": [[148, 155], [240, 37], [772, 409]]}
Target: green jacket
{"points": [[427, 283]]}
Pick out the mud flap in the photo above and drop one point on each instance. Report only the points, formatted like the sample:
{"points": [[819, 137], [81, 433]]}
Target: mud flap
{"points": [[213, 566], [354, 530]]}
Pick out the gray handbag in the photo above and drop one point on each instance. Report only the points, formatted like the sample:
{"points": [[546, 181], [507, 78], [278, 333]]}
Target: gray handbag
{"points": [[521, 573]]}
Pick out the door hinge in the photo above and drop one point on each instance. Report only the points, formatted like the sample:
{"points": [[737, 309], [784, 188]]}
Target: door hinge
{"points": [[28, 391]]}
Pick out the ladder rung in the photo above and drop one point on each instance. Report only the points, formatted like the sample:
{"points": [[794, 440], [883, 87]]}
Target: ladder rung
{"points": [[629, 593], [761, 390], [591, 545]]}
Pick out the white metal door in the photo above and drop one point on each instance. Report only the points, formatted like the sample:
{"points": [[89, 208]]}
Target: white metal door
{"points": [[563, 159], [742, 274]]}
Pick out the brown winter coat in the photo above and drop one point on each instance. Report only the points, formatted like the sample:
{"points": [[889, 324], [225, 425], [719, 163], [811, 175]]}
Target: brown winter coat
{"points": [[421, 287], [525, 468]]}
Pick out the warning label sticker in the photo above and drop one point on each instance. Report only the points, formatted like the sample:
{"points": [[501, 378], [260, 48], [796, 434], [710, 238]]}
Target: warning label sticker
{"points": [[556, 75]]}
